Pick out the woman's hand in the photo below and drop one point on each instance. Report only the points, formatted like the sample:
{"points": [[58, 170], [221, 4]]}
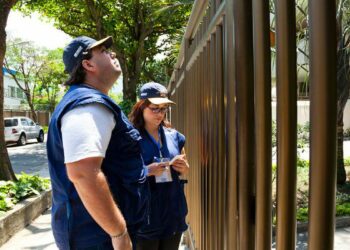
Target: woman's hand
{"points": [[181, 164], [156, 169]]}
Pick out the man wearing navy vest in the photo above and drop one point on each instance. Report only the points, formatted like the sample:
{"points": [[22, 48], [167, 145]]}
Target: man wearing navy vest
{"points": [[97, 172]]}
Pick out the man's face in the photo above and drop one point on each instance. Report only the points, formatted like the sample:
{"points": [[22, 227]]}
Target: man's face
{"points": [[107, 67]]}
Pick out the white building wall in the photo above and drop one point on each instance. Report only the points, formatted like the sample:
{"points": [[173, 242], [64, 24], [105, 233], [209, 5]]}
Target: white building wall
{"points": [[12, 100], [304, 112]]}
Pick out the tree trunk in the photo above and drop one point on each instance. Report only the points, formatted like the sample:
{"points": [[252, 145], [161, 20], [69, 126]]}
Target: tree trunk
{"points": [[341, 173], [129, 93], [6, 172], [343, 88], [31, 106]]}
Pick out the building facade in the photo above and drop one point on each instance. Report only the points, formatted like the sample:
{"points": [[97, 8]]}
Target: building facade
{"points": [[14, 97]]}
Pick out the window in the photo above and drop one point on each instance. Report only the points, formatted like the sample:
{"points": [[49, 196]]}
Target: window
{"points": [[30, 122], [12, 91], [11, 122], [24, 122], [19, 93]]}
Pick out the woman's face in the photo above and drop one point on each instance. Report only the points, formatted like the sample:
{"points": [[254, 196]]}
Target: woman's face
{"points": [[154, 114]]}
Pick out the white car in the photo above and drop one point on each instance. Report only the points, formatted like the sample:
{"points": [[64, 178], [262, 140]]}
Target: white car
{"points": [[20, 129]]}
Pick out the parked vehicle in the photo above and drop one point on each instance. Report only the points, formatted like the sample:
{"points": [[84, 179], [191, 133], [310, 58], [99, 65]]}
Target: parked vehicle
{"points": [[20, 129]]}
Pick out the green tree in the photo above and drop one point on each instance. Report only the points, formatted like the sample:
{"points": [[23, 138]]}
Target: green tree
{"points": [[49, 81], [343, 65], [25, 61], [135, 25], [6, 172], [343, 79]]}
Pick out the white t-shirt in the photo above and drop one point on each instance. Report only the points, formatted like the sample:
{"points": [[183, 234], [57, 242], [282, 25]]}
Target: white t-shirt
{"points": [[86, 132]]}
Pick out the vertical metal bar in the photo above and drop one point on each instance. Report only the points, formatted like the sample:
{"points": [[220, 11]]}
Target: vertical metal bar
{"points": [[286, 124], [323, 66], [206, 145], [262, 81], [231, 209], [220, 136], [245, 118]]}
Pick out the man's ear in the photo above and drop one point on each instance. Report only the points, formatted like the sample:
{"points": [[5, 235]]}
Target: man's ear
{"points": [[88, 65]]}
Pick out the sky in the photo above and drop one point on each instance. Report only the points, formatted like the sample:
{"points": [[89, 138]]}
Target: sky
{"points": [[41, 32], [31, 28]]}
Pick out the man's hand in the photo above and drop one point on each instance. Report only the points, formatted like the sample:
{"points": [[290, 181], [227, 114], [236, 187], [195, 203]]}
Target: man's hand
{"points": [[156, 169], [122, 243]]}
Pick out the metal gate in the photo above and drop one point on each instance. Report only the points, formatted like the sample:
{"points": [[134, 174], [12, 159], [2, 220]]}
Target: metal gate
{"points": [[222, 87]]}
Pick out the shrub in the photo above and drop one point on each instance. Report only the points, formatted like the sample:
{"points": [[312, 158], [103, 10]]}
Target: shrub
{"points": [[347, 161], [343, 209], [126, 106], [26, 186], [45, 128]]}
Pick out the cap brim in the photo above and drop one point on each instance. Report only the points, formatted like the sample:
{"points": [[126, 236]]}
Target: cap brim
{"points": [[107, 42], [160, 100]]}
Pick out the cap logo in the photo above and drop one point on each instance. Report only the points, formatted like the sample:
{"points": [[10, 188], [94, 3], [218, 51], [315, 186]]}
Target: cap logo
{"points": [[162, 94], [76, 54], [143, 94]]}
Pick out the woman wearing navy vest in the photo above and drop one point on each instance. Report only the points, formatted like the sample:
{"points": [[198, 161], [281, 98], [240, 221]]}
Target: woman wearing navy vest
{"points": [[161, 143]]}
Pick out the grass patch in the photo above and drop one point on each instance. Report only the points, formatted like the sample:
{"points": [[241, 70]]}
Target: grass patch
{"points": [[26, 186], [45, 128]]}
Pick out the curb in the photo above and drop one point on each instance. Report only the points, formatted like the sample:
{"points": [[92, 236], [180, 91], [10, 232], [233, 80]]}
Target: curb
{"points": [[23, 214], [302, 227], [340, 222]]}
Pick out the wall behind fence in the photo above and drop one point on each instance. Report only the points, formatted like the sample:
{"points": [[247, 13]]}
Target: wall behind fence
{"points": [[43, 116]]}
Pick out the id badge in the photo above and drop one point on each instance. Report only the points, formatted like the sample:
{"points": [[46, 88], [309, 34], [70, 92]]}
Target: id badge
{"points": [[166, 176]]}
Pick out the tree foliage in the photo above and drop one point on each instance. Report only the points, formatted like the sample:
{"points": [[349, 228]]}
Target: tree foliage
{"points": [[38, 72], [24, 62], [343, 64], [49, 81], [135, 25]]}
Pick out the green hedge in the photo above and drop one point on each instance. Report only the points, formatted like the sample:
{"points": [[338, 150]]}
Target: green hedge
{"points": [[341, 210], [26, 186]]}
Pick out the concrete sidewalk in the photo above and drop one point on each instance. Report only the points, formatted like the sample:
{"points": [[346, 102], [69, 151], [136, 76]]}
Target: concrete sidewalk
{"points": [[38, 236]]}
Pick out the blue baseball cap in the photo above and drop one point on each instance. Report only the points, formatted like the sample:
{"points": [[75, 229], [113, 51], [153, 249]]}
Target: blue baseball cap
{"points": [[74, 51], [155, 93]]}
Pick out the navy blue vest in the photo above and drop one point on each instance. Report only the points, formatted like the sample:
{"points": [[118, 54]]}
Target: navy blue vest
{"points": [[123, 166], [168, 207]]}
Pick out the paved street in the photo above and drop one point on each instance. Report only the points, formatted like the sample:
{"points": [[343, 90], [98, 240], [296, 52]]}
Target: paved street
{"points": [[30, 158]]}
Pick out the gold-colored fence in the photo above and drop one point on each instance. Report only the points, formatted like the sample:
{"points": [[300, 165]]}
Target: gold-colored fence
{"points": [[222, 87]]}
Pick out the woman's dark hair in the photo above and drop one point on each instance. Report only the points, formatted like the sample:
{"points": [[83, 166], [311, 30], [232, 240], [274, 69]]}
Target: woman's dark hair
{"points": [[136, 115], [78, 74]]}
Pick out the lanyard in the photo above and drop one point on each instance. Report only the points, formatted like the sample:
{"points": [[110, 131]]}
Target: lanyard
{"points": [[158, 144]]}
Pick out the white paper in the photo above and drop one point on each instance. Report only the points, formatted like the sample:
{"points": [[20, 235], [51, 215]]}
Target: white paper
{"points": [[174, 159]]}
